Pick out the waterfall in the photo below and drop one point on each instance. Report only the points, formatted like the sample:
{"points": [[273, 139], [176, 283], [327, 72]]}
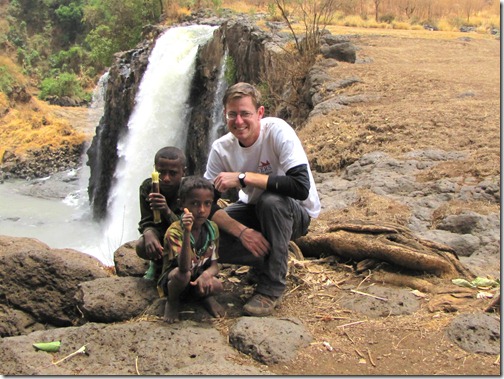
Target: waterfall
{"points": [[160, 118], [218, 126]]}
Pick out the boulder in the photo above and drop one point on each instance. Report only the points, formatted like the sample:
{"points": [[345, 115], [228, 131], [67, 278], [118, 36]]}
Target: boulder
{"points": [[41, 281]]}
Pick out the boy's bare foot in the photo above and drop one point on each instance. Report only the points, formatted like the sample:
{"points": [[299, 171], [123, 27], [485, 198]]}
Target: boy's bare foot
{"points": [[213, 307], [171, 312]]}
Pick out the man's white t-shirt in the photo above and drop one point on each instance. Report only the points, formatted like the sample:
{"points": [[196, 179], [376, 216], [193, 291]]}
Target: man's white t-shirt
{"points": [[277, 150]]}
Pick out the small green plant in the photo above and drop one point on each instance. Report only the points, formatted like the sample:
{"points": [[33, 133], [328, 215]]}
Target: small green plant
{"points": [[230, 70], [6, 80]]}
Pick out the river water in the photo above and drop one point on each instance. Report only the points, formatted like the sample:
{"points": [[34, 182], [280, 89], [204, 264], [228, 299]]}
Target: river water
{"points": [[60, 223]]}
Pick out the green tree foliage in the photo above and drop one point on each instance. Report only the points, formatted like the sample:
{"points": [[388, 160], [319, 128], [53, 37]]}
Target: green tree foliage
{"points": [[65, 84], [77, 37], [124, 19], [101, 44]]}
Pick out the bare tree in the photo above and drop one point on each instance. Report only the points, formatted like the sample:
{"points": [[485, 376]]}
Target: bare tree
{"points": [[377, 6], [315, 16]]}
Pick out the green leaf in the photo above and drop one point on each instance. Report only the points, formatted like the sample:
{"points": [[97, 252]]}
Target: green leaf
{"points": [[462, 283], [484, 282], [48, 346]]}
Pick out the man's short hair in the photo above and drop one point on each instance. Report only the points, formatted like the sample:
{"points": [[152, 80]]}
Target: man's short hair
{"points": [[241, 89]]}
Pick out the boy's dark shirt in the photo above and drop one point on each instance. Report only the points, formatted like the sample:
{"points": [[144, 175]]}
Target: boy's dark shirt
{"points": [[146, 216]]}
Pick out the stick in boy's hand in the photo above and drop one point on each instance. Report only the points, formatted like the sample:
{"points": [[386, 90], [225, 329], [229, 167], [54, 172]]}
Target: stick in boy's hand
{"points": [[187, 219]]}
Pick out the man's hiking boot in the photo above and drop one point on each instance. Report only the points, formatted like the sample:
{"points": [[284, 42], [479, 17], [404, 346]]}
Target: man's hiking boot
{"points": [[261, 305]]}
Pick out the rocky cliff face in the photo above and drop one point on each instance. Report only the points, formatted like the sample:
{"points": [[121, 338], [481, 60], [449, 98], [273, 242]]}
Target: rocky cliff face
{"points": [[124, 79]]}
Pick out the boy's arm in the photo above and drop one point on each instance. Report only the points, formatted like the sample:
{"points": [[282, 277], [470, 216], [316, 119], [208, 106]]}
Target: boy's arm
{"points": [[184, 260], [212, 270]]}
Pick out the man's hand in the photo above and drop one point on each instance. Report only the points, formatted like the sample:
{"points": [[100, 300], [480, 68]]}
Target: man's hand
{"points": [[153, 248], [226, 180], [254, 242]]}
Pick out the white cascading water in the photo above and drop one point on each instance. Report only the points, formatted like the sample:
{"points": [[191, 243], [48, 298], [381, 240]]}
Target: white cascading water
{"points": [[158, 119], [218, 125]]}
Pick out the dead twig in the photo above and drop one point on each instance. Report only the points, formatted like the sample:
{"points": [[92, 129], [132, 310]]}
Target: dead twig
{"points": [[81, 350], [350, 338], [497, 361], [292, 290], [370, 358], [136, 365], [363, 280], [402, 339], [330, 318], [352, 323], [359, 353], [368, 294]]}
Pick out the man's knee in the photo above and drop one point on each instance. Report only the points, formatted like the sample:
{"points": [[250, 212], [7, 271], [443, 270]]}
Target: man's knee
{"points": [[272, 202]]}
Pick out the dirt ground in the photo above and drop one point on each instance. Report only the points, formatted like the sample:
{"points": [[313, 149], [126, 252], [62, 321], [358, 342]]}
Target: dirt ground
{"points": [[436, 90]]}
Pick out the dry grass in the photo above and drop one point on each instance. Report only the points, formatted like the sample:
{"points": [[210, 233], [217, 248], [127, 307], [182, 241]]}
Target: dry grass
{"points": [[28, 127]]}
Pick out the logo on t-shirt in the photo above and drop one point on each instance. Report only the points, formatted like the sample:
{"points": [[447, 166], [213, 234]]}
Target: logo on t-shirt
{"points": [[265, 168]]}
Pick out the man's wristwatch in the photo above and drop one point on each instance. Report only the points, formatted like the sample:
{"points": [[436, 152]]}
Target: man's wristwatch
{"points": [[241, 178]]}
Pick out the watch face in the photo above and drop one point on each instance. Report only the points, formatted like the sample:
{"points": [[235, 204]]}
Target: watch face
{"points": [[241, 176]]}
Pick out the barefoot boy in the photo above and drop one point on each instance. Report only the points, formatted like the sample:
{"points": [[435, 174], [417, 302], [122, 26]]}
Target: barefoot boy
{"points": [[190, 251]]}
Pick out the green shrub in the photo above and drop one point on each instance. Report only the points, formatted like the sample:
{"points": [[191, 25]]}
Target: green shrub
{"points": [[6, 80], [65, 84]]}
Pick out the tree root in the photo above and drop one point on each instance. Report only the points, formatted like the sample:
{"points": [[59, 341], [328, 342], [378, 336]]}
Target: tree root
{"points": [[389, 243]]}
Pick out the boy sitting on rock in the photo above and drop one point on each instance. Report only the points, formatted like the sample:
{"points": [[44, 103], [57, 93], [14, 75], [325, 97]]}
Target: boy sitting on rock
{"points": [[190, 252]]}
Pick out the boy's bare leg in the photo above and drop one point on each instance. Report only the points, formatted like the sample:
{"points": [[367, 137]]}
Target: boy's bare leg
{"points": [[213, 307], [177, 281], [171, 311]]}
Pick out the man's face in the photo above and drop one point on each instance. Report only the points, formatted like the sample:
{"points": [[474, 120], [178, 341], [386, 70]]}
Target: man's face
{"points": [[243, 120], [171, 172]]}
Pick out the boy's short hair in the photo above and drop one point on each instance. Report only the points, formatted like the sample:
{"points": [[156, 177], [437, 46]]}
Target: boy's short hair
{"points": [[171, 153], [241, 89], [190, 183]]}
